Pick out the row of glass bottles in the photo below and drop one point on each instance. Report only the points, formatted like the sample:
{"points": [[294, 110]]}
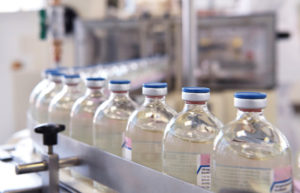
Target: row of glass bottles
{"points": [[62, 101], [246, 155]]}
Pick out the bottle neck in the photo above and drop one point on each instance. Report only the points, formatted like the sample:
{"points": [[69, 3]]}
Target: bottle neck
{"points": [[71, 87], [56, 85], [93, 90], [151, 99], [57, 82], [115, 94], [256, 112], [189, 105]]}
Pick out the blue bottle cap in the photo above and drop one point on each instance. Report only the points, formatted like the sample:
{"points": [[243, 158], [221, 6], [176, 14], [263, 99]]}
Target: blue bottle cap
{"points": [[119, 82], [195, 90], [119, 85], [56, 73], [196, 94], [95, 79], [250, 100], [50, 70], [71, 76], [250, 95], [155, 89], [155, 85]]}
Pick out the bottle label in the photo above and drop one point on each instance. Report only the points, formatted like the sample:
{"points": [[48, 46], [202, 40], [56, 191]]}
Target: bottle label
{"points": [[296, 186], [282, 180], [182, 165], [203, 171], [110, 142], [148, 153], [127, 148], [235, 178]]}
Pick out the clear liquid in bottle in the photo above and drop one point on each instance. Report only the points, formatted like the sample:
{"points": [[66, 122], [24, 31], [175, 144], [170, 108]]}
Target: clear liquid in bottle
{"points": [[145, 128], [111, 117], [61, 104], [46, 96], [83, 110], [250, 155], [188, 139], [42, 85]]}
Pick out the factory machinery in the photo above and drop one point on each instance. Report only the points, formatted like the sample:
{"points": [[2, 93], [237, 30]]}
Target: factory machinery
{"points": [[235, 59], [110, 170], [38, 159]]}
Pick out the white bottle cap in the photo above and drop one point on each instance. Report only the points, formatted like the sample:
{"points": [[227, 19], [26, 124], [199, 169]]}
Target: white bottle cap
{"points": [[155, 89], [55, 76], [250, 100], [95, 82], [119, 85], [195, 93], [73, 79]]}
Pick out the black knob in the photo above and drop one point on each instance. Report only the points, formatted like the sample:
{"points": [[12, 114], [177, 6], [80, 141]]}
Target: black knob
{"points": [[49, 131]]}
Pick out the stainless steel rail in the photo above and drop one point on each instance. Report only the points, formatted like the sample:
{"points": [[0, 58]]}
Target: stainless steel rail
{"points": [[119, 174]]}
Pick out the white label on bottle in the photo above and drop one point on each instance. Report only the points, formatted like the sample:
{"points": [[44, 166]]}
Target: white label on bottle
{"points": [[182, 165], [127, 148], [252, 179], [282, 180], [203, 171], [147, 153]]}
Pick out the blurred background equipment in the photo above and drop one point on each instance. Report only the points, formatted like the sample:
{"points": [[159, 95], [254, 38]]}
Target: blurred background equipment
{"points": [[224, 45], [132, 29], [237, 52], [114, 40]]}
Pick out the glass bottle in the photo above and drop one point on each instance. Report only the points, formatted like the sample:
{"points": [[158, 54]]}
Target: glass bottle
{"points": [[61, 104], [42, 85], [250, 155], [45, 97], [188, 139], [111, 117], [145, 128], [84, 108]]}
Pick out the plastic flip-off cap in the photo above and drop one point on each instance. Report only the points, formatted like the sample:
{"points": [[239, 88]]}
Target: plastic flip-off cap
{"points": [[55, 73], [49, 71], [195, 93], [55, 76], [119, 85], [155, 89], [49, 132], [71, 78], [250, 100], [95, 82]]}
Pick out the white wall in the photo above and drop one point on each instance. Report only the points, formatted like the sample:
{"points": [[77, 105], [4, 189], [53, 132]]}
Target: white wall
{"points": [[18, 42], [289, 50]]}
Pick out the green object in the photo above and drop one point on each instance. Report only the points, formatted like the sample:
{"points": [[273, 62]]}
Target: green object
{"points": [[43, 24]]}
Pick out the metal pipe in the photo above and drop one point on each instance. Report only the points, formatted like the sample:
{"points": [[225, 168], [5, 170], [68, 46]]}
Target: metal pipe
{"points": [[50, 149], [71, 161], [32, 167], [189, 44]]}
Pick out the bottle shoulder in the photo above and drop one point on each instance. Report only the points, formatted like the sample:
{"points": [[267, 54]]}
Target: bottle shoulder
{"points": [[157, 110], [38, 90], [116, 108], [151, 117], [88, 101], [252, 137], [64, 100], [194, 125], [48, 94]]}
